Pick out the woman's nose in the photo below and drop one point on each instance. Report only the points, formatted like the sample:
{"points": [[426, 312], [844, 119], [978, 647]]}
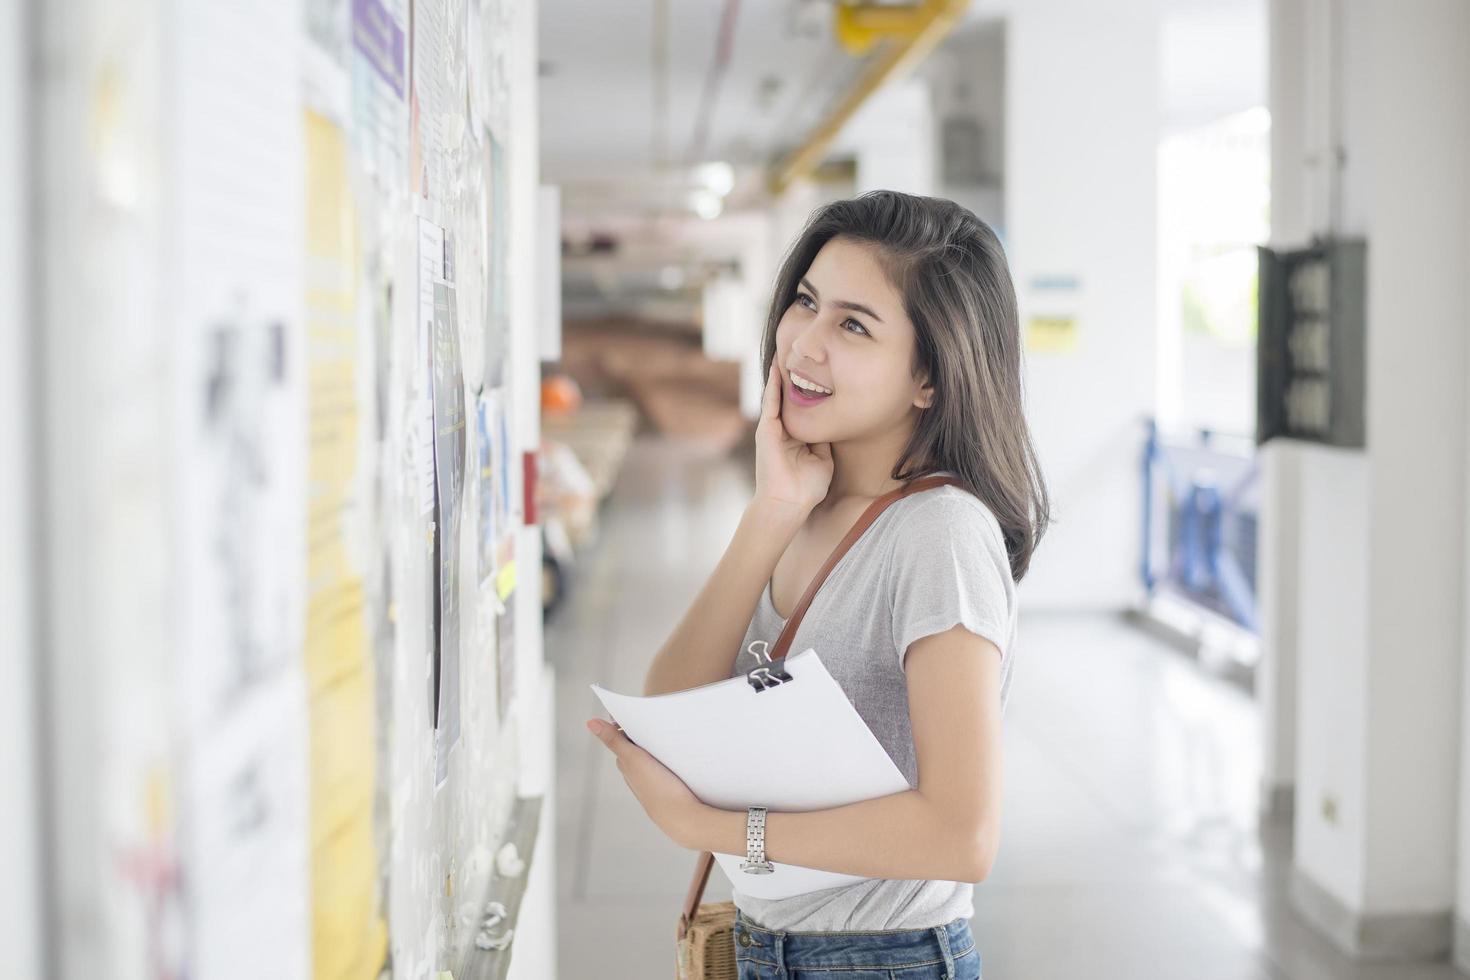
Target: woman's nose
{"points": [[807, 343]]}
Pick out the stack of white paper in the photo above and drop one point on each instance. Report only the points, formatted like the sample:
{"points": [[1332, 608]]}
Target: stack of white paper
{"points": [[798, 746]]}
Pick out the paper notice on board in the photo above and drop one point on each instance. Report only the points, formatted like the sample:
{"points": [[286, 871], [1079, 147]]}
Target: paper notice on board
{"points": [[505, 634], [379, 88], [506, 512], [431, 271], [349, 935], [497, 230], [247, 814], [449, 458], [429, 101], [485, 485], [235, 429]]}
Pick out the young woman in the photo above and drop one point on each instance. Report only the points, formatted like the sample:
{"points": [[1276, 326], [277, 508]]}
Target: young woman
{"points": [[891, 352]]}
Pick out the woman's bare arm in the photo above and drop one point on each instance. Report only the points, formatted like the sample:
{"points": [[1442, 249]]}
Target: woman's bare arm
{"points": [[791, 477], [703, 647], [948, 827]]}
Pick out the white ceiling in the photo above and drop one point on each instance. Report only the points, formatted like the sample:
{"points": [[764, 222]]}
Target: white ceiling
{"points": [[598, 117], [600, 129], [1213, 59], [602, 133]]}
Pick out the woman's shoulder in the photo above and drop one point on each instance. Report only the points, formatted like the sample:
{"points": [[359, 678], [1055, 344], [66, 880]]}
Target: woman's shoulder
{"points": [[946, 508], [946, 548]]}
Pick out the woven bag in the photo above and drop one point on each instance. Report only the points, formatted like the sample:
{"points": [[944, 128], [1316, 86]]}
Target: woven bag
{"points": [[705, 940]]}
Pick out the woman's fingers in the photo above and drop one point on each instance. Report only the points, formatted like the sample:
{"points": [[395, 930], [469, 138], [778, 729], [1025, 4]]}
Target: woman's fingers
{"points": [[771, 403], [609, 734]]}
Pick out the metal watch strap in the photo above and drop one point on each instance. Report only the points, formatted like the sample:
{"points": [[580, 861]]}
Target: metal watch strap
{"points": [[755, 843]]}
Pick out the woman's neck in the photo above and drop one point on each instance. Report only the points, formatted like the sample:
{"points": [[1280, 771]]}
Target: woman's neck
{"points": [[863, 469]]}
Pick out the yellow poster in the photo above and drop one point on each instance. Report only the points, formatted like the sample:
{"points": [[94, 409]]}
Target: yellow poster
{"points": [[349, 935], [1051, 334]]}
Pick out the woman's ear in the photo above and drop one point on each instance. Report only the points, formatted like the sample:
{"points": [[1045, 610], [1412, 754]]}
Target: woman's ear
{"points": [[925, 397]]}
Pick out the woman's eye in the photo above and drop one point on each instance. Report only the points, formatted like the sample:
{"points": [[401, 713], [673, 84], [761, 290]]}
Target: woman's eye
{"points": [[804, 300]]}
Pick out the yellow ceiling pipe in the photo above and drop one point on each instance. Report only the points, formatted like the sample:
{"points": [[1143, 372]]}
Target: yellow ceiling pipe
{"points": [[910, 32], [860, 26]]}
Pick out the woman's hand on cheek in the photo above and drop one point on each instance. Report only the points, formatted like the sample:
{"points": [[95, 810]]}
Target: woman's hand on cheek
{"points": [[788, 471], [668, 802]]}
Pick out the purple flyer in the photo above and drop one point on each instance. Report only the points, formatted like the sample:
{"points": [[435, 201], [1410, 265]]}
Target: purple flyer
{"points": [[380, 39]]}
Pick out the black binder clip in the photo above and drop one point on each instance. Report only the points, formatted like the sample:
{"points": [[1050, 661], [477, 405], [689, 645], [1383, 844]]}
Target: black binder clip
{"points": [[770, 672]]}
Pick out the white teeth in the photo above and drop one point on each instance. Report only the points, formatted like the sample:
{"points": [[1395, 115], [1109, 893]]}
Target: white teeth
{"points": [[806, 385]]}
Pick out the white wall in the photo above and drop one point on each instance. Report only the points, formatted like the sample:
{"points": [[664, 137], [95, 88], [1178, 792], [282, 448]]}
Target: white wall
{"points": [[1404, 132], [1381, 545], [20, 842], [1278, 572], [1334, 592], [536, 939], [1214, 60], [967, 76], [100, 462], [525, 233], [548, 272], [892, 137], [1082, 119]]}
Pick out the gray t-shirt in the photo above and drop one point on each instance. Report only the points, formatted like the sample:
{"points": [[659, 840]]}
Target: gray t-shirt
{"points": [[932, 559]]}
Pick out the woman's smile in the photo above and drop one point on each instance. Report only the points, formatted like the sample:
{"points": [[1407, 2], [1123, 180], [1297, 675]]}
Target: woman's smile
{"points": [[804, 398]]}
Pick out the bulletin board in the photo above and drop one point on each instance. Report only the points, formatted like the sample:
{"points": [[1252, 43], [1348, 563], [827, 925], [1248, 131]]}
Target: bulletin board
{"points": [[411, 101], [287, 337]]}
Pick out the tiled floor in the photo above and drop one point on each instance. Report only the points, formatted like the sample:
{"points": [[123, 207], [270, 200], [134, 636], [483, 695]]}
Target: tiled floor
{"points": [[1129, 850]]}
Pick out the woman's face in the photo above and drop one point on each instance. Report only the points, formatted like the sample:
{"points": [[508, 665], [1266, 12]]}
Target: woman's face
{"points": [[846, 330]]}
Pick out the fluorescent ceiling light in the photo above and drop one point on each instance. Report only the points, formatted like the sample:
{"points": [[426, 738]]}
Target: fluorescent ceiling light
{"points": [[718, 176], [706, 204]]}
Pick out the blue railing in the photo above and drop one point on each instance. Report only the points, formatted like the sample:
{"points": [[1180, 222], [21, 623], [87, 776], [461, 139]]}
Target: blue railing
{"points": [[1200, 506]]}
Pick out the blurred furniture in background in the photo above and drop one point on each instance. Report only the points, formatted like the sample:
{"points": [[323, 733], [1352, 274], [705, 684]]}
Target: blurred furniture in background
{"points": [[582, 450], [1198, 552], [617, 377], [597, 434], [662, 369]]}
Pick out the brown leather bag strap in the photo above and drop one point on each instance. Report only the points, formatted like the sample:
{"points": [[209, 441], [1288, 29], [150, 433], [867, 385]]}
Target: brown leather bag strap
{"points": [[788, 632], [696, 891]]}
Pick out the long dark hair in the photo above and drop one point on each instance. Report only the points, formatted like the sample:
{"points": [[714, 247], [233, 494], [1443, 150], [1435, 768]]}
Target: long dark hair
{"points": [[951, 271]]}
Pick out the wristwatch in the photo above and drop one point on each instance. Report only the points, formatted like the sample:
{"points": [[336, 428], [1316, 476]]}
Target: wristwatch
{"points": [[755, 843]]}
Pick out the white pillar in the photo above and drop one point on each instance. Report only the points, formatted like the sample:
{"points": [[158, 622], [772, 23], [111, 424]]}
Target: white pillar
{"points": [[1278, 557], [1278, 534], [548, 272], [1381, 548], [21, 897]]}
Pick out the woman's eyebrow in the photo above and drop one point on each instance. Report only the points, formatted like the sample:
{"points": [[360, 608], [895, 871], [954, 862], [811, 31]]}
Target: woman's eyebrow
{"points": [[844, 304]]}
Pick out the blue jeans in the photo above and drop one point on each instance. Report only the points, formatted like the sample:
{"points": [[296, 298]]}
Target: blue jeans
{"points": [[946, 952]]}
